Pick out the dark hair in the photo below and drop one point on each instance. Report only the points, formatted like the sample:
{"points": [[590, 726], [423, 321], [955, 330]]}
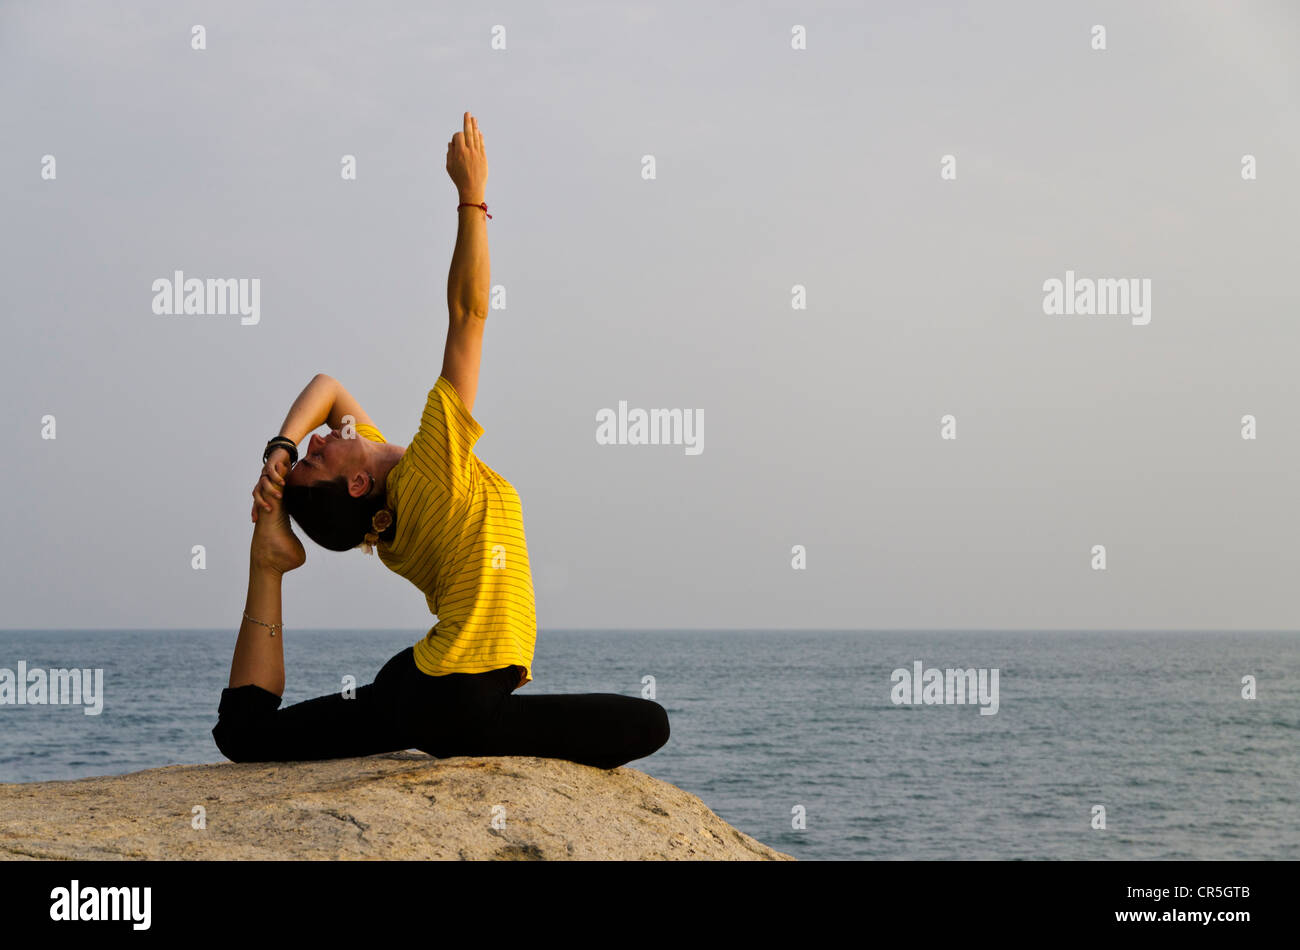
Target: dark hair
{"points": [[331, 516]]}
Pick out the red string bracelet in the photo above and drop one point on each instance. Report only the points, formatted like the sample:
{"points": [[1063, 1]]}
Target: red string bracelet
{"points": [[471, 204]]}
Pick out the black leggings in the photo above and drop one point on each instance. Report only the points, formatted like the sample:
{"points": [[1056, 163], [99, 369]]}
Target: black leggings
{"points": [[453, 714]]}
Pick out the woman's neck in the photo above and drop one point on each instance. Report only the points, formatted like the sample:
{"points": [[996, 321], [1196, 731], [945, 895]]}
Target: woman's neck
{"points": [[385, 455]]}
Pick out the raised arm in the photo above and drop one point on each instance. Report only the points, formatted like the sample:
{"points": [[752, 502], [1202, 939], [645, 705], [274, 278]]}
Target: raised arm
{"points": [[323, 400], [468, 279]]}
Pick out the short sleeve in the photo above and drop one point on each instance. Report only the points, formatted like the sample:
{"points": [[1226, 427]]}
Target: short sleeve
{"points": [[369, 432], [441, 450]]}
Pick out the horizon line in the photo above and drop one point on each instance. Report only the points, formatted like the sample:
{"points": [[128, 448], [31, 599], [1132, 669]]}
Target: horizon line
{"points": [[686, 629]]}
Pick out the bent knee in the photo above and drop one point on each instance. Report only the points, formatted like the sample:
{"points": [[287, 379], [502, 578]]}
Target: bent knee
{"points": [[242, 718], [656, 729], [236, 744], [241, 723]]}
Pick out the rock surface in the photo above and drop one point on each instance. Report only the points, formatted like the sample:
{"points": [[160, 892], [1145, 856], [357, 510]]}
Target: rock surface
{"points": [[405, 805]]}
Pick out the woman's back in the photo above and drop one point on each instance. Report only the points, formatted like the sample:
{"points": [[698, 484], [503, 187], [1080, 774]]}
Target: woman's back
{"points": [[460, 539]]}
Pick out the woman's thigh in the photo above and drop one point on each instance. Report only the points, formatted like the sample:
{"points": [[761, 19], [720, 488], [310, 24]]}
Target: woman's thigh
{"points": [[252, 728], [604, 730], [474, 714], [446, 714]]}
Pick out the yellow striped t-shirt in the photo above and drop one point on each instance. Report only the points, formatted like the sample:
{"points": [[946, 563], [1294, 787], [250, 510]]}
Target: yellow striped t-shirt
{"points": [[460, 540]]}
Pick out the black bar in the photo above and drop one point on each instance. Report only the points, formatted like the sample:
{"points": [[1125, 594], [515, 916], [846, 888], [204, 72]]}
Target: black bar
{"points": [[931, 903]]}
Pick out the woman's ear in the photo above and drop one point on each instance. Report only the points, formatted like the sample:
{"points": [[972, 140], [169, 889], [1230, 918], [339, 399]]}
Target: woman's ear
{"points": [[360, 483]]}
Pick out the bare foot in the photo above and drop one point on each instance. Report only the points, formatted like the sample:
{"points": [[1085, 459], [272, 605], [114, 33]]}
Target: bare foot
{"points": [[275, 546]]}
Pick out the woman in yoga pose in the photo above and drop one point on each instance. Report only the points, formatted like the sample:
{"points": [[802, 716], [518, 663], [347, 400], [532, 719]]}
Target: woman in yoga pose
{"points": [[445, 521]]}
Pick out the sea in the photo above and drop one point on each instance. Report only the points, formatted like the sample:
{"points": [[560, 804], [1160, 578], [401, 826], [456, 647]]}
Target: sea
{"points": [[1103, 746]]}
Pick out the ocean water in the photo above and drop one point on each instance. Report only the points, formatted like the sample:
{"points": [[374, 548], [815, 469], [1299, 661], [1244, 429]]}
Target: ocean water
{"points": [[770, 725]]}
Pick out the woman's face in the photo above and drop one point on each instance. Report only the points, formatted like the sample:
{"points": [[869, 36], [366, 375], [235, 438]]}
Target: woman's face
{"points": [[326, 457]]}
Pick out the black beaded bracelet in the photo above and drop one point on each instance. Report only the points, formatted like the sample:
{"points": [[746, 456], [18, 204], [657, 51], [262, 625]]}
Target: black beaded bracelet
{"points": [[284, 442]]}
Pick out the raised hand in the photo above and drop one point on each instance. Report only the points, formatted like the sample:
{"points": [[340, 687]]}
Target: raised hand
{"points": [[467, 161], [270, 484]]}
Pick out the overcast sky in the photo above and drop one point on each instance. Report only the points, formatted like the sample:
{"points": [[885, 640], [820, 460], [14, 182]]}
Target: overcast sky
{"points": [[775, 167]]}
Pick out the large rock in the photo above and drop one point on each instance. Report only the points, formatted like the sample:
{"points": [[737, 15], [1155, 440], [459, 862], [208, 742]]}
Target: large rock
{"points": [[406, 805]]}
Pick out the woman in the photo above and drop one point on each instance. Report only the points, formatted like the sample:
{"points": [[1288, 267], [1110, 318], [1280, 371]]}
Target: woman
{"points": [[448, 523]]}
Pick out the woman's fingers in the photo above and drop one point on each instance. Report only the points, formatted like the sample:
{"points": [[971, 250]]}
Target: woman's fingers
{"points": [[269, 488], [268, 503], [263, 496], [274, 482], [468, 137]]}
